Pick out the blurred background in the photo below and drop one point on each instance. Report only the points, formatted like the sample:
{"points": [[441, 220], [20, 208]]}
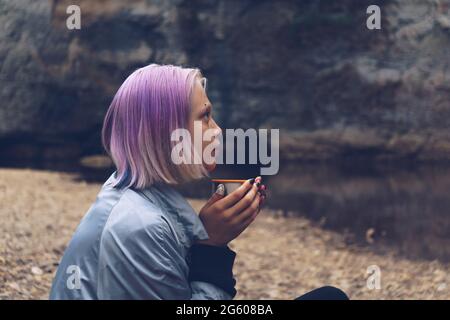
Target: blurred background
{"points": [[364, 119]]}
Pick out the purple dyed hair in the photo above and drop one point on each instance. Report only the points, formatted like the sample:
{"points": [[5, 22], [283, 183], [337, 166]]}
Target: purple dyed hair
{"points": [[151, 103]]}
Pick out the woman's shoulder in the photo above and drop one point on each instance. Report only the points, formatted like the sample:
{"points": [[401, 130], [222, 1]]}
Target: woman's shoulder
{"points": [[133, 215], [136, 237]]}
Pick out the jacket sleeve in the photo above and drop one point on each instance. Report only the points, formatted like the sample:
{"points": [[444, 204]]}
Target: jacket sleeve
{"points": [[147, 263], [212, 265]]}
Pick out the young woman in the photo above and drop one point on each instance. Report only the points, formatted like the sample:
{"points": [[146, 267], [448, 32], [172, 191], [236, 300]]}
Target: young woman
{"points": [[141, 239]]}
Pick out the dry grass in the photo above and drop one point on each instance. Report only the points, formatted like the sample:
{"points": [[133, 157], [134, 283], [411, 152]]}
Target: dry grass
{"points": [[278, 258]]}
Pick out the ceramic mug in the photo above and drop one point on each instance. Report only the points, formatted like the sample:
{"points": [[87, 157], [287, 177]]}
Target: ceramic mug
{"points": [[230, 184]]}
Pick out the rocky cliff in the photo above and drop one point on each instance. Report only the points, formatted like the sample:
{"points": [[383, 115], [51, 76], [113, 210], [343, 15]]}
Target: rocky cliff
{"points": [[311, 68]]}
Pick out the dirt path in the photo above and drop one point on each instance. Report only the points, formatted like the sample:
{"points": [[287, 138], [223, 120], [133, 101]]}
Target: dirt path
{"points": [[278, 258]]}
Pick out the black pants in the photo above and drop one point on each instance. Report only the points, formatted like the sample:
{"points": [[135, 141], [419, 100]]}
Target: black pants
{"points": [[324, 293]]}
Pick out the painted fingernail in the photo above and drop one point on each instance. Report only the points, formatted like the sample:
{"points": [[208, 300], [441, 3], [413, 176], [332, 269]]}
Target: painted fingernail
{"points": [[220, 189], [263, 187]]}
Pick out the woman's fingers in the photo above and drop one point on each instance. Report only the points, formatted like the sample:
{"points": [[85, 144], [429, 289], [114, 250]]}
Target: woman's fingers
{"points": [[234, 197], [263, 201], [264, 194], [250, 212], [249, 220], [245, 202]]}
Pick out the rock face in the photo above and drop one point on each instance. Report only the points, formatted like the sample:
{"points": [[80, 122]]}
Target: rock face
{"points": [[311, 68]]}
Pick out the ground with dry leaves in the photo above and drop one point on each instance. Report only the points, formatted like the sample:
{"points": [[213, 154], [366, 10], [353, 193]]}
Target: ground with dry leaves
{"points": [[278, 257]]}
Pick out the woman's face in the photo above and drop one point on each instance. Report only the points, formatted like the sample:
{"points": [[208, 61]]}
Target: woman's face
{"points": [[201, 113]]}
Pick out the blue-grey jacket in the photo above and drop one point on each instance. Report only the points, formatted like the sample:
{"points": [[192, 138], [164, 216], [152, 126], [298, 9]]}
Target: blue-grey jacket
{"points": [[133, 245]]}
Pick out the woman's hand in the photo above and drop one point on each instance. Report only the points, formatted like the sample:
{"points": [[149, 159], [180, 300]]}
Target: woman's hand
{"points": [[227, 217]]}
